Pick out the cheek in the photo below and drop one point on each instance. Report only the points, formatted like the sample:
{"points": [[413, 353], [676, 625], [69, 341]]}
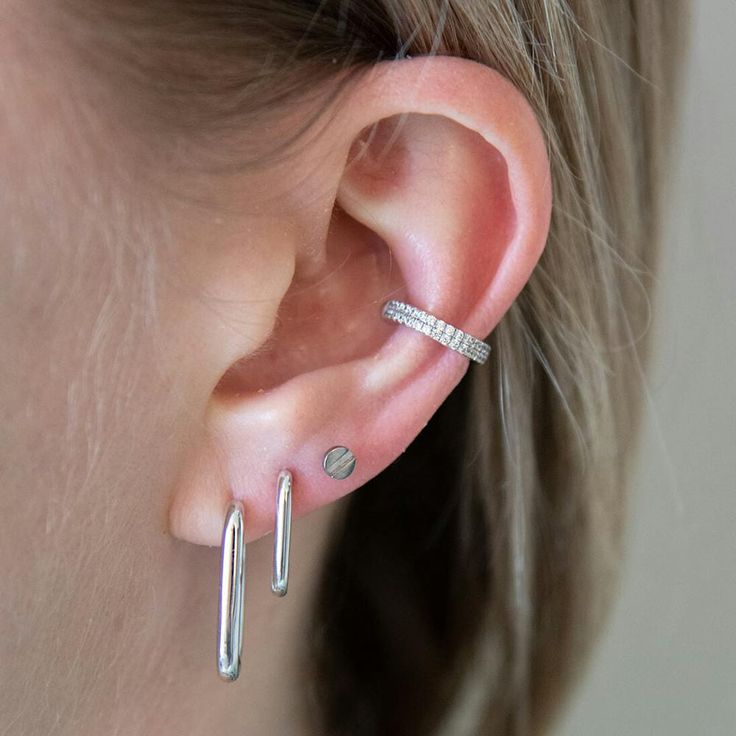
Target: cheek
{"points": [[64, 298], [93, 415], [79, 242]]}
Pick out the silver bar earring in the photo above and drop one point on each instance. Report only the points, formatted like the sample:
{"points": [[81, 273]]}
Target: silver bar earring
{"points": [[282, 535], [232, 594]]}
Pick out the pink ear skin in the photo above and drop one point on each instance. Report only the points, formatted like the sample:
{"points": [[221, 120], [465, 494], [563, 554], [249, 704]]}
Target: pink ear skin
{"points": [[446, 207]]}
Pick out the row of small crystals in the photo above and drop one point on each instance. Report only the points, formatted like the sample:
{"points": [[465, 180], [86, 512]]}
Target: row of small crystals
{"points": [[437, 329]]}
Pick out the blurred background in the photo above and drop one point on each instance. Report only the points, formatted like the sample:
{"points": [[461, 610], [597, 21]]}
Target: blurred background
{"points": [[667, 662]]}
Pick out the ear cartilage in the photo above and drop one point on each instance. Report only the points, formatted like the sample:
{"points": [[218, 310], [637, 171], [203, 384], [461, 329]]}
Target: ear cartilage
{"points": [[437, 329], [338, 462], [232, 595], [282, 535]]}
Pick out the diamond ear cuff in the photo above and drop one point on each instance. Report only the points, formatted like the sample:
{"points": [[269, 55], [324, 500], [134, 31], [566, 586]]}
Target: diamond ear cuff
{"points": [[282, 534], [437, 329]]}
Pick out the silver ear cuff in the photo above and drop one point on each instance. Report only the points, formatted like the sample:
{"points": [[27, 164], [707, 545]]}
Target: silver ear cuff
{"points": [[338, 462], [437, 329]]}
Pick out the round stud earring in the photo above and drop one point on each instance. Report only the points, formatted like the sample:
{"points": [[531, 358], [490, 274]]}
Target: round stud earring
{"points": [[338, 462]]}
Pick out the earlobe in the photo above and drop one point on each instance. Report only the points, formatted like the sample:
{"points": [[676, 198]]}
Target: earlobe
{"points": [[441, 198]]}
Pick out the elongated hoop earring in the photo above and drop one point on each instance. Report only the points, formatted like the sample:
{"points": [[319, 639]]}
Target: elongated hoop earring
{"points": [[282, 535], [232, 595]]}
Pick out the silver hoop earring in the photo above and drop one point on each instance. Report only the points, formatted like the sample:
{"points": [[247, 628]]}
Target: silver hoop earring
{"points": [[437, 329], [282, 535], [232, 595]]}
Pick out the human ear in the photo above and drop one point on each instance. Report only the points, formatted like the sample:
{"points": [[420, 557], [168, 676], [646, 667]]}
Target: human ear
{"points": [[430, 183]]}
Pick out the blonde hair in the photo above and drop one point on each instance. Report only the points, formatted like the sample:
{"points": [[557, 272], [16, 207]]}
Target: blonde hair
{"points": [[514, 493]]}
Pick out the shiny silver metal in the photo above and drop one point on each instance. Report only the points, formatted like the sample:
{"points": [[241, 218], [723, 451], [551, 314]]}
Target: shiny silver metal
{"points": [[437, 329], [232, 595], [338, 462], [282, 534]]}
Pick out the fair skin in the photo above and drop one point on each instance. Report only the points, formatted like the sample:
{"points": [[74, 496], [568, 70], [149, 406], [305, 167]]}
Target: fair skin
{"points": [[124, 304]]}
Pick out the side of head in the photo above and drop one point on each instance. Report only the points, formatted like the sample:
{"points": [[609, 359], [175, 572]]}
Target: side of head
{"points": [[210, 202]]}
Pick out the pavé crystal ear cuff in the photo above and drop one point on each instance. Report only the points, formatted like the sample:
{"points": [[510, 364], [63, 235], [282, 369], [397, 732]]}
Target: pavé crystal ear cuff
{"points": [[431, 326]]}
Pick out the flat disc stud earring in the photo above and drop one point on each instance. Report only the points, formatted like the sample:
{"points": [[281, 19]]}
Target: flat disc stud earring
{"points": [[338, 462]]}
